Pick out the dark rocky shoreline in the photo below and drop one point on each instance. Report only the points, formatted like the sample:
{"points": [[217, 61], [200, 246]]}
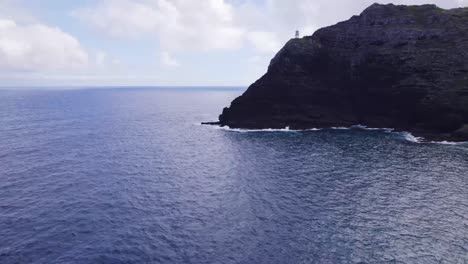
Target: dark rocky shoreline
{"points": [[401, 67], [423, 136]]}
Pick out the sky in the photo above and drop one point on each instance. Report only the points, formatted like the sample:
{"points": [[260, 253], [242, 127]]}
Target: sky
{"points": [[157, 42]]}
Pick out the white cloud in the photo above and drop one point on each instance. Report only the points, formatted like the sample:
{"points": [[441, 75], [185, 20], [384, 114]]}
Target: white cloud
{"points": [[121, 18], [37, 47], [462, 3], [250, 30], [167, 61], [11, 9], [101, 58], [266, 42], [277, 20], [206, 25], [105, 61], [177, 24]]}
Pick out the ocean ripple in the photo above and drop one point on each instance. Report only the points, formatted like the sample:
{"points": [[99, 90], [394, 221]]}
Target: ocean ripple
{"points": [[125, 176]]}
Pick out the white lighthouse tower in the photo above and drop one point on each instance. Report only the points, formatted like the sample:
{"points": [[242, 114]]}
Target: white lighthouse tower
{"points": [[297, 33]]}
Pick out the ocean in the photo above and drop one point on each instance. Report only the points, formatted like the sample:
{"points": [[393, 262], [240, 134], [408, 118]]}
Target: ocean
{"points": [[130, 176]]}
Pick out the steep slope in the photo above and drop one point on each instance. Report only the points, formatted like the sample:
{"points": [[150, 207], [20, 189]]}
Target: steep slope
{"points": [[404, 67]]}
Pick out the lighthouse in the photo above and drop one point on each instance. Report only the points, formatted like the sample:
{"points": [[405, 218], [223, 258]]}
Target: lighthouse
{"points": [[297, 33]]}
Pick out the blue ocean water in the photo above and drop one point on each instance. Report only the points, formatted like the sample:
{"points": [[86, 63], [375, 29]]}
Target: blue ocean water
{"points": [[129, 176]]}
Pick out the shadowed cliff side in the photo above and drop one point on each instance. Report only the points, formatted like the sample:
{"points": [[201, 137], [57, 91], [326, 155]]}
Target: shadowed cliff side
{"points": [[404, 67]]}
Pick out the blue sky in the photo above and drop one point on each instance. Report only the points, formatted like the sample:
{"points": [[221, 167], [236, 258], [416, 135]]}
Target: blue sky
{"points": [[157, 42]]}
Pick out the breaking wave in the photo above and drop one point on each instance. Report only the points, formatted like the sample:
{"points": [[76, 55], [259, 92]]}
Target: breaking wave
{"points": [[411, 138], [243, 130], [406, 135]]}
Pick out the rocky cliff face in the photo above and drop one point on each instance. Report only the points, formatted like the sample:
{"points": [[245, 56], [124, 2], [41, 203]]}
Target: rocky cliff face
{"points": [[404, 67]]}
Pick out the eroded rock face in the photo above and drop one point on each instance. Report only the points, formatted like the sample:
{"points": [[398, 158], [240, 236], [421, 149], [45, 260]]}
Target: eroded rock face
{"points": [[404, 67]]}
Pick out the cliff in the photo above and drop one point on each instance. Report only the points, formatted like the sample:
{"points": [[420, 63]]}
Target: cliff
{"points": [[402, 67]]}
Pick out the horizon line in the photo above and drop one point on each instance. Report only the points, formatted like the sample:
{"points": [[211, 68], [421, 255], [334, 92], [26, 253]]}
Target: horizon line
{"points": [[63, 87]]}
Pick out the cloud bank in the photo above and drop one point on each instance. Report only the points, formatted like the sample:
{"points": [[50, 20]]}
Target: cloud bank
{"points": [[178, 40], [177, 24], [37, 47]]}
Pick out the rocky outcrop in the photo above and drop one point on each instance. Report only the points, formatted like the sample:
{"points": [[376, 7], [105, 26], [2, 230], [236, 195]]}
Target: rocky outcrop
{"points": [[404, 67]]}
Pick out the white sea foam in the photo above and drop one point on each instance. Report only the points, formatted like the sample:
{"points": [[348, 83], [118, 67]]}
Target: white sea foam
{"points": [[420, 140], [364, 128], [373, 128], [448, 142], [406, 135], [243, 130], [410, 137], [445, 142]]}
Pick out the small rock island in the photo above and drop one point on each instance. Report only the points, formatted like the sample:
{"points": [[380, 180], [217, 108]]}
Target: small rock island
{"points": [[393, 66]]}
